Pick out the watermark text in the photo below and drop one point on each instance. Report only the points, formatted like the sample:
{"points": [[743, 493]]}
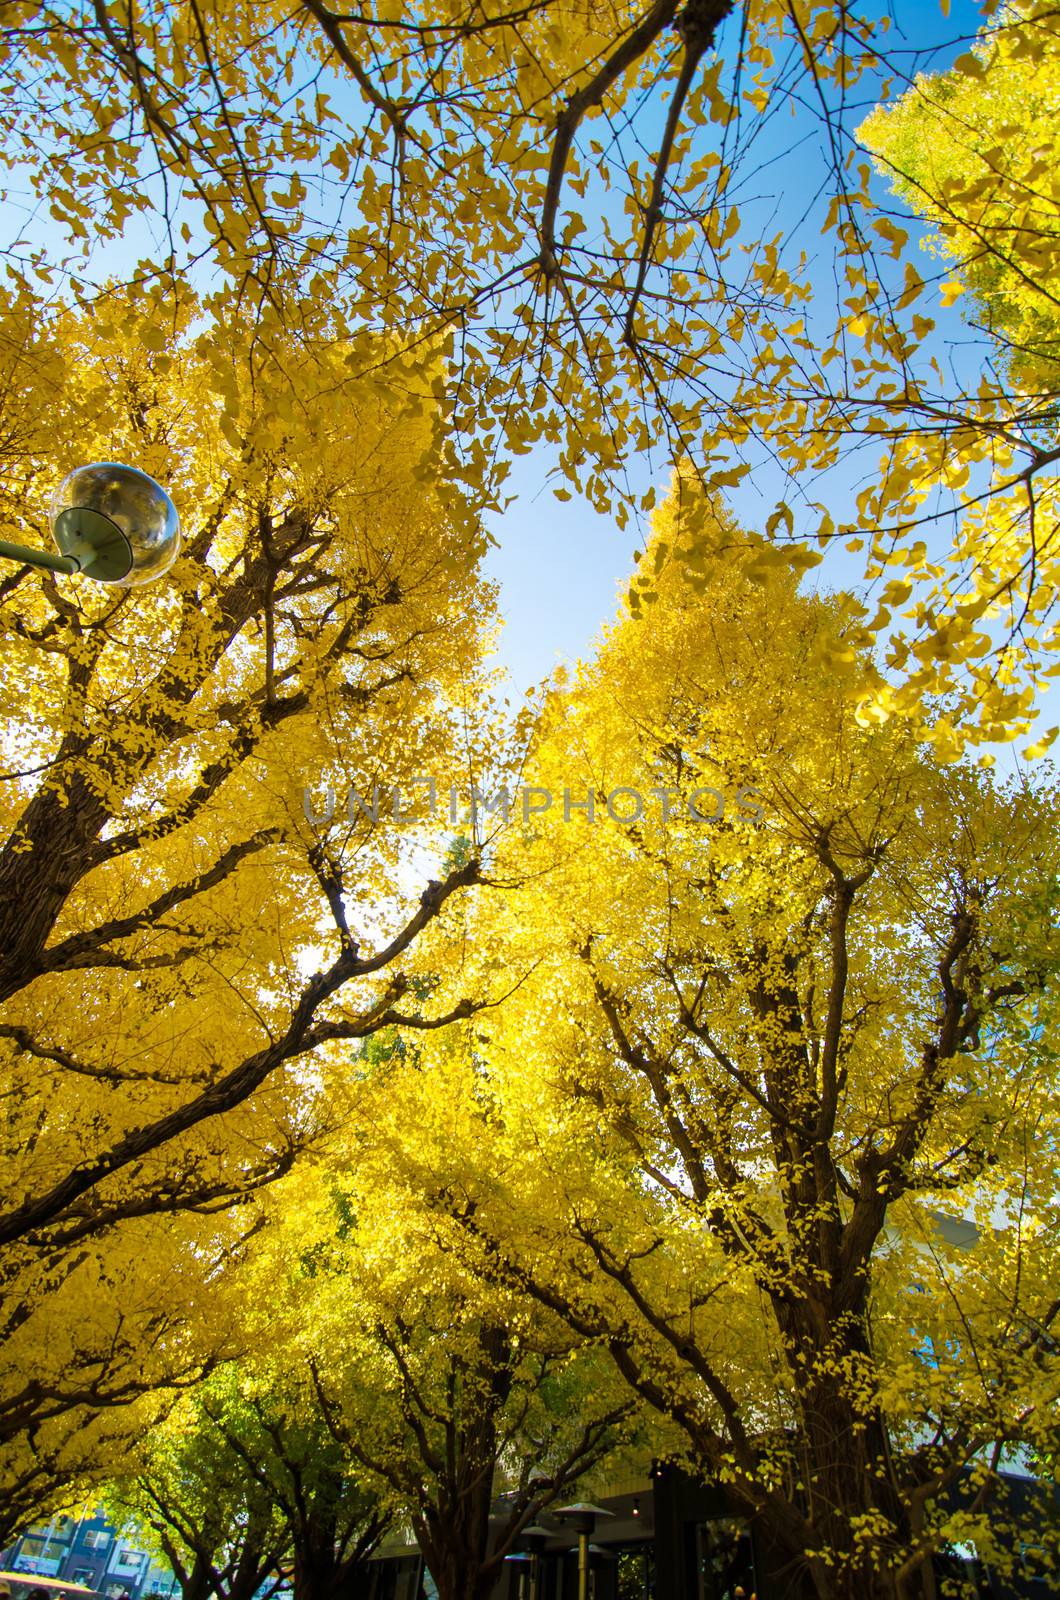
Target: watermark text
{"points": [[421, 799]]}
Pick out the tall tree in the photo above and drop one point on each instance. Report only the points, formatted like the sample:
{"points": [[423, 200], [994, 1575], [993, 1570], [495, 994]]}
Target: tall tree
{"points": [[178, 937], [246, 1484], [790, 996], [447, 1392], [198, 1505]]}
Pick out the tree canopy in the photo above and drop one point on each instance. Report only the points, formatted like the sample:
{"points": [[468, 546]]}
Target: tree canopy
{"points": [[969, 149], [178, 939], [246, 1486], [447, 1388], [582, 211]]}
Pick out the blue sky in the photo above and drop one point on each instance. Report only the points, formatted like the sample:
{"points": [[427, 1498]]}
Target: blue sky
{"points": [[560, 566]]}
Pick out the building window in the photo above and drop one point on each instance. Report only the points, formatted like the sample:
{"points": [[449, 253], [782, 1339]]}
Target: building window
{"points": [[635, 1573]]}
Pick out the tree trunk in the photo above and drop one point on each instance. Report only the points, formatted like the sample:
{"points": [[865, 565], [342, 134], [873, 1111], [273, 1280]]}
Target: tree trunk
{"points": [[845, 1469], [38, 870], [258, 1558], [316, 1568], [456, 1565], [196, 1582], [848, 1487], [453, 1533]]}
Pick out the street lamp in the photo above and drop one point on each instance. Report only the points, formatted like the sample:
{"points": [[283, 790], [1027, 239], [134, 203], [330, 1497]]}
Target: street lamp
{"points": [[110, 523], [519, 1560], [535, 1538], [582, 1518]]}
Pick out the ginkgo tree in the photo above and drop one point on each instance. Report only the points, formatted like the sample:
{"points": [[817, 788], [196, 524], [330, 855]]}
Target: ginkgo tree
{"points": [[244, 1490], [789, 1003], [570, 202], [98, 1343], [972, 151], [178, 937], [753, 1071], [469, 1408]]}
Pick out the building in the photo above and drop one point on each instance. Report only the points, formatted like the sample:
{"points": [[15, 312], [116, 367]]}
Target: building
{"points": [[87, 1548], [665, 1538], [660, 1534]]}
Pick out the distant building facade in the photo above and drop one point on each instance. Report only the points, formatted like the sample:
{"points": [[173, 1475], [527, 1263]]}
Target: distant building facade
{"points": [[87, 1548], [668, 1537]]}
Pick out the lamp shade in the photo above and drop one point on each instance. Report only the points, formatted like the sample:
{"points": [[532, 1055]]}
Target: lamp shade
{"points": [[535, 1537], [582, 1516]]}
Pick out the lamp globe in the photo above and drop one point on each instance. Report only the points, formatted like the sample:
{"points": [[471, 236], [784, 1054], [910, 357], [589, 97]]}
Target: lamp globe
{"points": [[118, 525]]}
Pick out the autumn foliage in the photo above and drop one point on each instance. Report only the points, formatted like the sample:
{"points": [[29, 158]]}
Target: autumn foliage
{"points": [[357, 1168]]}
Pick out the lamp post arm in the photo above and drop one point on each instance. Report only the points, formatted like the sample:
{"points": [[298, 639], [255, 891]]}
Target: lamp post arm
{"points": [[31, 557]]}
